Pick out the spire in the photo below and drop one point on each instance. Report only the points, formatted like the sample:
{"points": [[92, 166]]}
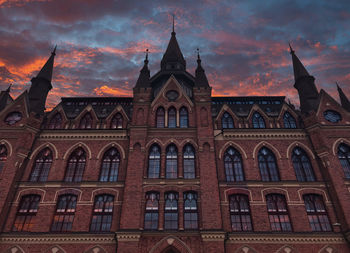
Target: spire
{"points": [[299, 69], [200, 78], [343, 99], [173, 58], [143, 80], [5, 97], [46, 71]]}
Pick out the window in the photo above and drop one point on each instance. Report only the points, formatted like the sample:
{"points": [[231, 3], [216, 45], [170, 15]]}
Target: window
{"points": [[152, 210], [63, 219], [316, 212], [171, 162], [344, 158], [278, 213], [41, 166], [110, 166], [302, 165], [183, 117], [102, 213], [3, 156], [289, 121], [26, 212], [154, 162], [190, 210], [75, 166], [267, 165], [117, 121], [172, 117], [233, 165], [227, 121], [258, 121], [189, 162], [170, 210], [240, 213], [160, 118], [86, 122], [55, 122]]}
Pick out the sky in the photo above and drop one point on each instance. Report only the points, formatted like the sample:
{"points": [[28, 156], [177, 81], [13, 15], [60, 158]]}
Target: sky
{"points": [[243, 44]]}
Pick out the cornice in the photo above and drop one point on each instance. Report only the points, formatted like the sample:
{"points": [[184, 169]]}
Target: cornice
{"points": [[273, 184], [59, 184], [213, 235], [96, 134], [171, 182], [128, 236], [254, 134]]}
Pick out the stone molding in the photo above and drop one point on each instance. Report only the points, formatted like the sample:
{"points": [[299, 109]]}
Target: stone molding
{"points": [[85, 134], [213, 235], [270, 134], [128, 236]]}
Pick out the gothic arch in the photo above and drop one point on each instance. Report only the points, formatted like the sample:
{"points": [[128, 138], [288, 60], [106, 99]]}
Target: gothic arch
{"points": [[304, 191], [337, 143], [55, 249], [96, 249], [245, 249], [29, 191], [74, 191], [274, 190], [154, 141], [173, 241], [188, 141], [172, 141], [235, 145], [8, 146], [79, 144], [268, 145], [42, 146], [111, 145], [109, 191], [286, 249], [244, 191], [15, 249], [328, 249], [303, 146]]}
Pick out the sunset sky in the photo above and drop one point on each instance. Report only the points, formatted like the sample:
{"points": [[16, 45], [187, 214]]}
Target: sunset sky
{"points": [[243, 44]]}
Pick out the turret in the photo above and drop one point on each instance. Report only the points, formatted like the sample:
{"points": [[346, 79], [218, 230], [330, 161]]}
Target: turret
{"points": [[143, 80], [200, 78], [345, 103], [5, 98]]}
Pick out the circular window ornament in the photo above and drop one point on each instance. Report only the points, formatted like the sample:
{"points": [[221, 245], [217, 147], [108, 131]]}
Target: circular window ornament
{"points": [[172, 95], [332, 116], [13, 117]]}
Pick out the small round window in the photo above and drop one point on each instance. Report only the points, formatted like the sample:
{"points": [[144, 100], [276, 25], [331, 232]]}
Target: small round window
{"points": [[13, 117], [332, 116], [172, 95]]}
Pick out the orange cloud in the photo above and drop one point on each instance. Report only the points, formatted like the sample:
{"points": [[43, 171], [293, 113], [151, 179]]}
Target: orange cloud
{"points": [[107, 90]]}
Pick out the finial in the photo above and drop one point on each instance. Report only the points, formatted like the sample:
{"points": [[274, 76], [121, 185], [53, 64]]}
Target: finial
{"points": [[198, 56], [54, 50], [9, 88], [337, 85], [173, 24], [291, 49], [146, 58]]}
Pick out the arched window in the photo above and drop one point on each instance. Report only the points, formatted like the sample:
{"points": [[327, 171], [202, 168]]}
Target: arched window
{"points": [[316, 212], [189, 162], [240, 213], [227, 121], [154, 162], [41, 166], [102, 213], [171, 210], [3, 156], [183, 117], [171, 162], [160, 117], [289, 121], [55, 122], [75, 166], [344, 158], [268, 165], [302, 165], [152, 210], [258, 121], [64, 216], [110, 166], [86, 121], [172, 117], [278, 212], [28, 207], [233, 165], [117, 121], [190, 210]]}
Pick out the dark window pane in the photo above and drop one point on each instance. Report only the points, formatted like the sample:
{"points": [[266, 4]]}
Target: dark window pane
{"points": [[183, 117], [258, 121], [317, 213], [102, 213], [227, 121], [171, 162], [151, 210], [55, 122], [110, 166], [154, 162], [117, 121], [233, 165], [41, 166], [240, 213], [302, 165], [171, 210], [75, 166], [289, 121], [172, 117], [160, 117], [190, 210], [344, 158], [278, 213], [64, 216], [267, 165], [86, 122], [26, 212]]}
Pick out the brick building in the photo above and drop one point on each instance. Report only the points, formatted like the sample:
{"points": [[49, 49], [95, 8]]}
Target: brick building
{"points": [[173, 169]]}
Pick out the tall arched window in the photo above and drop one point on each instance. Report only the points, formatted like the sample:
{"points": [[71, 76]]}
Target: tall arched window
{"points": [[110, 166], [268, 165], [160, 117], [86, 121], [171, 210], [3, 156], [117, 121], [289, 121], [240, 213], [183, 117], [316, 212], [258, 121], [154, 162], [344, 158], [190, 210], [28, 207], [75, 166], [278, 212], [55, 122], [171, 162], [41, 166], [102, 213], [152, 210], [171, 117], [233, 165], [64, 216], [227, 121], [302, 165], [189, 162]]}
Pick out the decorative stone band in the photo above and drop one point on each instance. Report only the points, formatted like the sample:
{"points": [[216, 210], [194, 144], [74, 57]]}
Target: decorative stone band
{"points": [[328, 238], [256, 135], [128, 236], [89, 135], [213, 235], [35, 238]]}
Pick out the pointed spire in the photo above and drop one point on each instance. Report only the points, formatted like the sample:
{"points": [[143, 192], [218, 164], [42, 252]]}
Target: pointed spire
{"points": [[9, 88], [200, 78], [299, 69], [143, 80], [173, 24], [343, 99], [46, 71], [5, 97]]}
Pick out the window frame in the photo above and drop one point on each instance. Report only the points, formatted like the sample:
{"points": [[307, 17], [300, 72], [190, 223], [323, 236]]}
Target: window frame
{"points": [[172, 122], [60, 217], [258, 121], [172, 211], [25, 215], [244, 226], [189, 159], [233, 165], [190, 211], [345, 159], [41, 169], [171, 162], [184, 120], [227, 121], [160, 117], [312, 214], [117, 121], [103, 214], [289, 121], [86, 122], [151, 211], [112, 166], [3, 156], [267, 165], [280, 214], [77, 171], [55, 122], [156, 162], [300, 163]]}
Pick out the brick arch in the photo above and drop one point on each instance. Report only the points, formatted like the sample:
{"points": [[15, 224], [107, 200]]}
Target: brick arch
{"points": [[286, 249], [243, 191], [303, 191], [31, 191], [172, 141], [172, 241], [77, 145], [154, 141], [111, 145], [109, 191], [328, 249], [96, 249], [245, 249], [226, 108], [55, 249], [188, 141], [73, 191], [7, 145], [337, 143], [49, 145], [269, 146], [274, 190], [301, 145], [15, 249], [234, 145]]}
